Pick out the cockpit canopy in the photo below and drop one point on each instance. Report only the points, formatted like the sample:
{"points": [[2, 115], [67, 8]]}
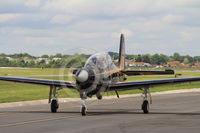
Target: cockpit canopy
{"points": [[101, 62]]}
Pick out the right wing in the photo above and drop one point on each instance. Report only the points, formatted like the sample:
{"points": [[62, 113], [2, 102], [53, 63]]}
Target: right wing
{"points": [[55, 83], [149, 83]]}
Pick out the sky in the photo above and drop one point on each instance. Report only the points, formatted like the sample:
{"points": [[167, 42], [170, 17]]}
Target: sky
{"points": [[88, 26]]}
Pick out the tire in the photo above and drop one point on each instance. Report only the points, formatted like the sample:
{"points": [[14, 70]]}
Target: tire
{"points": [[54, 106], [83, 111], [145, 107]]}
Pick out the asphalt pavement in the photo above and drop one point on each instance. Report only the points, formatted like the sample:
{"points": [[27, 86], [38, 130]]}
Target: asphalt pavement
{"points": [[179, 113]]}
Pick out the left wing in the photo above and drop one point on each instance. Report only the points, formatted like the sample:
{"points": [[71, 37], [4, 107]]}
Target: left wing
{"points": [[149, 83], [55, 83]]}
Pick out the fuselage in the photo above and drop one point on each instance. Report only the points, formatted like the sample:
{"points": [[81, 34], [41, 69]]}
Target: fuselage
{"points": [[97, 74]]}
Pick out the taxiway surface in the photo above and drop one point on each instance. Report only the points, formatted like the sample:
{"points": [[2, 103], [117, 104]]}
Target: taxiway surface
{"points": [[169, 113]]}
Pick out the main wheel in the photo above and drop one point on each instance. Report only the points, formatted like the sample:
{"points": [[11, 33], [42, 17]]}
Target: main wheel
{"points": [[54, 106], [145, 107], [83, 110]]}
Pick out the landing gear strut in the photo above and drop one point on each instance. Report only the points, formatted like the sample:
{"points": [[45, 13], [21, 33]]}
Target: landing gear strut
{"points": [[83, 105], [53, 99], [83, 108], [145, 104]]}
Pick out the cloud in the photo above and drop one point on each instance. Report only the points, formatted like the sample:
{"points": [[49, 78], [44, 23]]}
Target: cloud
{"points": [[61, 19], [40, 40], [91, 7], [55, 25], [9, 17], [32, 3], [190, 34], [173, 18], [126, 32]]}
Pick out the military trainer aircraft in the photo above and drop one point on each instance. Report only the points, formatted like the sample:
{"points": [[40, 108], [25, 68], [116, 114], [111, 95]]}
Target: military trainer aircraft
{"points": [[100, 74]]}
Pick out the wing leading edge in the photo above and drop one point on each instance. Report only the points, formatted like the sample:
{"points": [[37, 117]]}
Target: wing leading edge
{"points": [[149, 83], [46, 82]]}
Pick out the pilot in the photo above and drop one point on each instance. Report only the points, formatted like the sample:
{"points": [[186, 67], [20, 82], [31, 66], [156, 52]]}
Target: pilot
{"points": [[94, 60]]}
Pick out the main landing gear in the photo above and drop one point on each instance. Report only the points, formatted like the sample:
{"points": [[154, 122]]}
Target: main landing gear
{"points": [[53, 99], [54, 105], [145, 104], [145, 107]]}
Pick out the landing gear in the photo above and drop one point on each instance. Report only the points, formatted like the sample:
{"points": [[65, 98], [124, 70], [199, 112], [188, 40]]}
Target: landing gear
{"points": [[83, 111], [83, 108], [145, 104], [83, 105], [145, 107], [54, 106], [53, 99], [99, 96]]}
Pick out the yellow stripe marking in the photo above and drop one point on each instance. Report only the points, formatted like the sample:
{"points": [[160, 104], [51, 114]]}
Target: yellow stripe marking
{"points": [[36, 121]]}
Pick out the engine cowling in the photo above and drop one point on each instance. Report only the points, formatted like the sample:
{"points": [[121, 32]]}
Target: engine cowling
{"points": [[85, 78]]}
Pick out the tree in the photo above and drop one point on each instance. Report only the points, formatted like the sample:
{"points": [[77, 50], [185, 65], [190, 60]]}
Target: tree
{"points": [[146, 58], [186, 61], [139, 58], [197, 59], [155, 59], [58, 55], [45, 56], [177, 57], [163, 59]]}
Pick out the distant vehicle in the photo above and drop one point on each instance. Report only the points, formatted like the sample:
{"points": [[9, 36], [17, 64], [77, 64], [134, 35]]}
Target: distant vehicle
{"points": [[100, 74]]}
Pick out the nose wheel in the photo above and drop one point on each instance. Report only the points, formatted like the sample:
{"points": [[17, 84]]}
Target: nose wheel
{"points": [[83, 105], [83, 110]]}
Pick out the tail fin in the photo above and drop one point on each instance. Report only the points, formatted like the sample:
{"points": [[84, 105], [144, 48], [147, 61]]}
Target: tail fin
{"points": [[121, 61]]}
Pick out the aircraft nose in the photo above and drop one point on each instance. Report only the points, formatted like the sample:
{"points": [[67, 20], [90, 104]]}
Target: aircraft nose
{"points": [[82, 76]]}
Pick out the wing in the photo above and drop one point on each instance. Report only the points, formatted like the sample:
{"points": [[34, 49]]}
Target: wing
{"points": [[138, 72], [149, 83], [46, 82]]}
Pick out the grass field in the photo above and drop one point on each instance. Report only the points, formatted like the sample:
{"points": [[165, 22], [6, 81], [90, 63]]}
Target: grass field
{"points": [[11, 92]]}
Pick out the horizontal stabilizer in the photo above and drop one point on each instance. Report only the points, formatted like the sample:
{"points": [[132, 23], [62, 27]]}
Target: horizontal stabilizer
{"points": [[140, 72]]}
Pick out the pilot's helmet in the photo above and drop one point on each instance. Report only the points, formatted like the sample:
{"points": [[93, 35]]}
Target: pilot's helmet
{"points": [[94, 60]]}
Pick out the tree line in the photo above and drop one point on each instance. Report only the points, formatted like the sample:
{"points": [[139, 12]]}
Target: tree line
{"points": [[20, 60], [160, 58], [78, 60]]}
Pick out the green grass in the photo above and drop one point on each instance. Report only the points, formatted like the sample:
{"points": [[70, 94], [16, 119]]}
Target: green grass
{"points": [[12, 92], [31, 71]]}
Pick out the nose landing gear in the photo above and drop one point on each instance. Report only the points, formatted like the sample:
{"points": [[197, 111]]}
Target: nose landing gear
{"points": [[83, 108], [83, 104]]}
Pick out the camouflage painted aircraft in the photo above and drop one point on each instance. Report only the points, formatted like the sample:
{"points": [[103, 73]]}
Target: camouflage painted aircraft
{"points": [[100, 74]]}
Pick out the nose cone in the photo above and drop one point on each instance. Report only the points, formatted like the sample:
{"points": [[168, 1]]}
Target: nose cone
{"points": [[82, 76]]}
